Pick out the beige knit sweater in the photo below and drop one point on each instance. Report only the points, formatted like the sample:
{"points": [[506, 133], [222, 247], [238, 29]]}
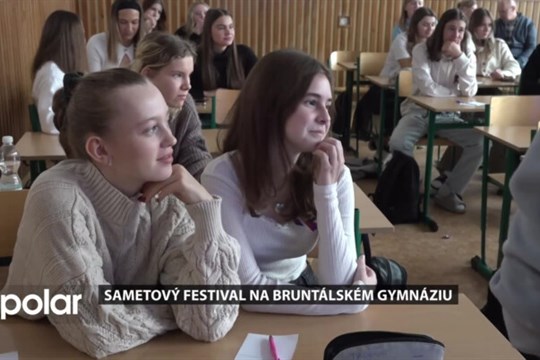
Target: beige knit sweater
{"points": [[78, 231]]}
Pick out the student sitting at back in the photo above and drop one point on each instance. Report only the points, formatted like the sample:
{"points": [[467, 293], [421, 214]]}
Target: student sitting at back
{"points": [[116, 47], [443, 66], [167, 61], [119, 213], [408, 7], [421, 27], [221, 62], [193, 27], [61, 50], [493, 56], [284, 185]]}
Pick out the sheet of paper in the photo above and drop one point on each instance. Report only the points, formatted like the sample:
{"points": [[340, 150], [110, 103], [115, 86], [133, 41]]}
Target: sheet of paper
{"points": [[14, 355], [257, 347], [470, 103]]}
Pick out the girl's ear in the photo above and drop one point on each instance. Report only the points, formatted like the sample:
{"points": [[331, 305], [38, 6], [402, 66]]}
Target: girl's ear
{"points": [[96, 149], [148, 72]]}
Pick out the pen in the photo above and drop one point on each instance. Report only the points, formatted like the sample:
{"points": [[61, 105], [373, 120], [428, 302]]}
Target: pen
{"points": [[273, 348]]}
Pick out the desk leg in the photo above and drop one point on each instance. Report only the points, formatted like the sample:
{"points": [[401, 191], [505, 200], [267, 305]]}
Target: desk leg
{"points": [[346, 136], [512, 159], [427, 176], [479, 263], [382, 120]]}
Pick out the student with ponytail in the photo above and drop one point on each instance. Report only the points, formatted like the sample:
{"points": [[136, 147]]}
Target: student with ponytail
{"points": [[117, 212]]}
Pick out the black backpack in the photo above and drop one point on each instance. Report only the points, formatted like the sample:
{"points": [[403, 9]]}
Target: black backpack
{"points": [[397, 194]]}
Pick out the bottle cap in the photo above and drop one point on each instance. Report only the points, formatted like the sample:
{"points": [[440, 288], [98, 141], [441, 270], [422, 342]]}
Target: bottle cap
{"points": [[7, 140]]}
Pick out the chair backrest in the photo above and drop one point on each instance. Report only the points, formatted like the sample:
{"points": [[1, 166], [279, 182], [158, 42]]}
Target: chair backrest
{"points": [[34, 118], [222, 103], [10, 217], [340, 56], [405, 83], [404, 88], [371, 63], [528, 108]]}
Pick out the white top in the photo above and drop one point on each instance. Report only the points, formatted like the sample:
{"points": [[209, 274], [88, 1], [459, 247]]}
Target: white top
{"points": [[273, 253], [500, 58], [398, 51], [445, 77], [49, 79], [98, 58]]}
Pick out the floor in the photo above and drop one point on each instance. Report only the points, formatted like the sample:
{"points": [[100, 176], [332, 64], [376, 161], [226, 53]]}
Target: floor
{"points": [[442, 257]]}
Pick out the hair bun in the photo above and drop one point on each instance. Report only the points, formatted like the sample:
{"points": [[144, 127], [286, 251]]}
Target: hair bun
{"points": [[70, 83]]}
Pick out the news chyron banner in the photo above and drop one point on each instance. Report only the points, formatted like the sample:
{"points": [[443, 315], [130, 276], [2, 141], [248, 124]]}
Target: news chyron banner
{"points": [[281, 294]]}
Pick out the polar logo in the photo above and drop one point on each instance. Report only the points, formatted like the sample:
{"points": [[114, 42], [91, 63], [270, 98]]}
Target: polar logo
{"points": [[34, 304]]}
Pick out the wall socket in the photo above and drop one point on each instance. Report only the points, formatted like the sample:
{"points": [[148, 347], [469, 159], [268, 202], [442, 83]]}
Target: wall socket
{"points": [[344, 21]]}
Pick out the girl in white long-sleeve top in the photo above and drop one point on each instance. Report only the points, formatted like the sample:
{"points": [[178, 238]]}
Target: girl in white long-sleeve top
{"points": [[284, 184], [443, 66], [493, 56], [116, 47], [117, 212], [61, 50]]}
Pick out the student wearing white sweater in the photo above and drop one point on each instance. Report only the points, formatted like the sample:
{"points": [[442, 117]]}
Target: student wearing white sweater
{"points": [[60, 50], [443, 66], [284, 184], [116, 47], [493, 56], [118, 212]]}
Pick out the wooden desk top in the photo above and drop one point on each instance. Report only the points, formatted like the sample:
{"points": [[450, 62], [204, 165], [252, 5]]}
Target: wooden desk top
{"points": [[372, 220], [464, 331], [517, 138], [487, 83], [212, 137], [348, 65], [450, 103], [40, 146], [483, 82], [381, 81], [204, 107]]}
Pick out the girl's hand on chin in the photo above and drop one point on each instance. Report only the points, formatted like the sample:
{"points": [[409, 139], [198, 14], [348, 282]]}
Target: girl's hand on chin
{"points": [[328, 162], [181, 184]]}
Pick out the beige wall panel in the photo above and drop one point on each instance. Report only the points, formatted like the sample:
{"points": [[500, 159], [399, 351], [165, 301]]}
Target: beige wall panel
{"points": [[264, 25]]}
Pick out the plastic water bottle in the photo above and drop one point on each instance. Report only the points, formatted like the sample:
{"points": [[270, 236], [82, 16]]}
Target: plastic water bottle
{"points": [[9, 166]]}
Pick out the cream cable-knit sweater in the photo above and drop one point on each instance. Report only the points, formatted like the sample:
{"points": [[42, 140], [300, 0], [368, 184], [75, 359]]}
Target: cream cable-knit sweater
{"points": [[78, 231]]}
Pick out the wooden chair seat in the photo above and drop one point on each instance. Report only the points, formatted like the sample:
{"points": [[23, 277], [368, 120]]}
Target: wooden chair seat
{"points": [[10, 217]]}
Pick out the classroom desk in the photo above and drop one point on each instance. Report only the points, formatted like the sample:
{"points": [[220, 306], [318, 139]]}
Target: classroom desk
{"points": [[516, 140], [436, 105], [212, 137], [372, 220], [462, 328], [489, 83], [40, 146]]}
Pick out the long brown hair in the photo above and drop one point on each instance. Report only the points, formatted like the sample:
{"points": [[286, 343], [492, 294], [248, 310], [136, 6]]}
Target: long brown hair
{"points": [[162, 22], [113, 35], [235, 72], [476, 19], [435, 42], [86, 106], [271, 94], [62, 42], [190, 25], [418, 15]]}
